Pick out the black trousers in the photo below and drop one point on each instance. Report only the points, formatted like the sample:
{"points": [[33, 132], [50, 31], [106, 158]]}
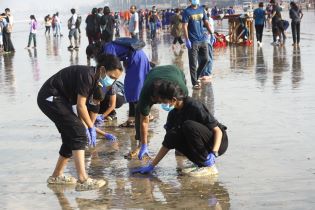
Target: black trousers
{"points": [[7, 43], [132, 109], [120, 100], [198, 52], [178, 39], [195, 141], [295, 26], [259, 32], [69, 125]]}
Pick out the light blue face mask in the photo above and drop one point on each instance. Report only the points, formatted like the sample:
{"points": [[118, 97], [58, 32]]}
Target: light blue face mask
{"points": [[107, 81], [195, 2], [167, 107]]}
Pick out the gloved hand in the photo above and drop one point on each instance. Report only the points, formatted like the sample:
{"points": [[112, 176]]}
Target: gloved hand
{"points": [[88, 135], [210, 160], [92, 140], [143, 151], [110, 137], [188, 43], [100, 118], [144, 169]]}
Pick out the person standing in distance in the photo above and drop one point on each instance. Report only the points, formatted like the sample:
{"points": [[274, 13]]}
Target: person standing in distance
{"points": [[194, 19]]}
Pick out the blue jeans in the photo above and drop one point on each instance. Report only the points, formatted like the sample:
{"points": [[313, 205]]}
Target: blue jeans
{"points": [[153, 29], [199, 51], [208, 69]]}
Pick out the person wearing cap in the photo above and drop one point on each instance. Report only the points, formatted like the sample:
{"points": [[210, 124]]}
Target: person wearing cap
{"points": [[194, 19], [74, 85], [190, 129]]}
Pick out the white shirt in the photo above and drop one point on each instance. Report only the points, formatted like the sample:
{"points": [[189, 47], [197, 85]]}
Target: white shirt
{"points": [[74, 20], [133, 28]]}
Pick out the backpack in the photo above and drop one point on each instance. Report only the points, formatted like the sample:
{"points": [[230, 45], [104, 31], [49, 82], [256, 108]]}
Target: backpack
{"points": [[134, 44], [78, 22], [35, 25]]}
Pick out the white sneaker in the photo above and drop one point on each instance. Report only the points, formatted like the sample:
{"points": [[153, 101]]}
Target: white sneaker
{"points": [[258, 43], [90, 184]]}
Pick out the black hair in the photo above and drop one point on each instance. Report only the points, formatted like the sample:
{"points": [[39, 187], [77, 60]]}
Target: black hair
{"points": [[72, 11], [33, 17], [94, 11], [294, 5], [168, 90], [110, 62], [261, 4], [106, 10], [93, 50], [133, 6], [7, 10]]}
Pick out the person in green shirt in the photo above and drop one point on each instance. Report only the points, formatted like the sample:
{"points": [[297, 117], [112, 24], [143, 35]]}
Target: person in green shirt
{"points": [[148, 97]]}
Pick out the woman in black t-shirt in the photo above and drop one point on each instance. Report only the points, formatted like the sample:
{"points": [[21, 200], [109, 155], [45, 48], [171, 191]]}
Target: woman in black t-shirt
{"points": [[190, 129], [75, 85]]}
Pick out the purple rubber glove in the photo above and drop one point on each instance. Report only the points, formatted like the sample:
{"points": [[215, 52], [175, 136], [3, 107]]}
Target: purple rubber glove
{"points": [[143, 151], [188, 43], [92, 140], [110, 137], [210, 160], [144, 169], [88, 135], [100, 118]]}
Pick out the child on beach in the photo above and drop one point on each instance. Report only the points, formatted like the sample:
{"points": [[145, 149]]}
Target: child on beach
{"points": [[33, 30]]}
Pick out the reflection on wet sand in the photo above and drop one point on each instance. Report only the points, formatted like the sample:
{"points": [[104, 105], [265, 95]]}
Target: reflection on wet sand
{"points": [[297, 73], [7, 74], [34, 62], [280, 64], [206, 96], [241, 58], [261, 67]]}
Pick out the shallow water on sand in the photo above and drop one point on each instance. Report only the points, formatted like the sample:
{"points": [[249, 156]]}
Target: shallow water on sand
{"points": [[265, 96]]}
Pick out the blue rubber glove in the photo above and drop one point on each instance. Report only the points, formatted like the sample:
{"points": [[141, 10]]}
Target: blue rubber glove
{"points": [[100, 118], [143, 169], [88, 136], [210, 160], [188, 43], [110, 137], [92, 132], [143, 151]]}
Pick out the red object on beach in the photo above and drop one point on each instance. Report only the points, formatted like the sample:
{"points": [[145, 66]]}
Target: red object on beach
{"points": [[220, 41]]}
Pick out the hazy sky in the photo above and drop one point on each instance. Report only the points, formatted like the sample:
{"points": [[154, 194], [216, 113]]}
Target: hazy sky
{"points": [[41, 5]]}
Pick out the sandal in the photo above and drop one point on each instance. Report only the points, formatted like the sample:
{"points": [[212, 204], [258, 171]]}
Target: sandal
{"points": [[90, 184], [63, 180], [128, 124]]}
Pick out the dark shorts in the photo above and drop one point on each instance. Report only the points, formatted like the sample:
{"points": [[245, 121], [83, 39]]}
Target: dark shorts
{"points": [[69, 125]]}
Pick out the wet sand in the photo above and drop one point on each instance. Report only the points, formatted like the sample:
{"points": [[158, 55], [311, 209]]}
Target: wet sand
{"points": [[265, 97]]}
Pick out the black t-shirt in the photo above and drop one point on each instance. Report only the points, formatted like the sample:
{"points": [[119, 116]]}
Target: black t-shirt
{"points": [[192, 110], [277, 10], [71, 81]]}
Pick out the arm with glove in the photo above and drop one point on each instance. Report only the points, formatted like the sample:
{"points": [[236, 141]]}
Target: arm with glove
{"points": [[150, 167]]}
